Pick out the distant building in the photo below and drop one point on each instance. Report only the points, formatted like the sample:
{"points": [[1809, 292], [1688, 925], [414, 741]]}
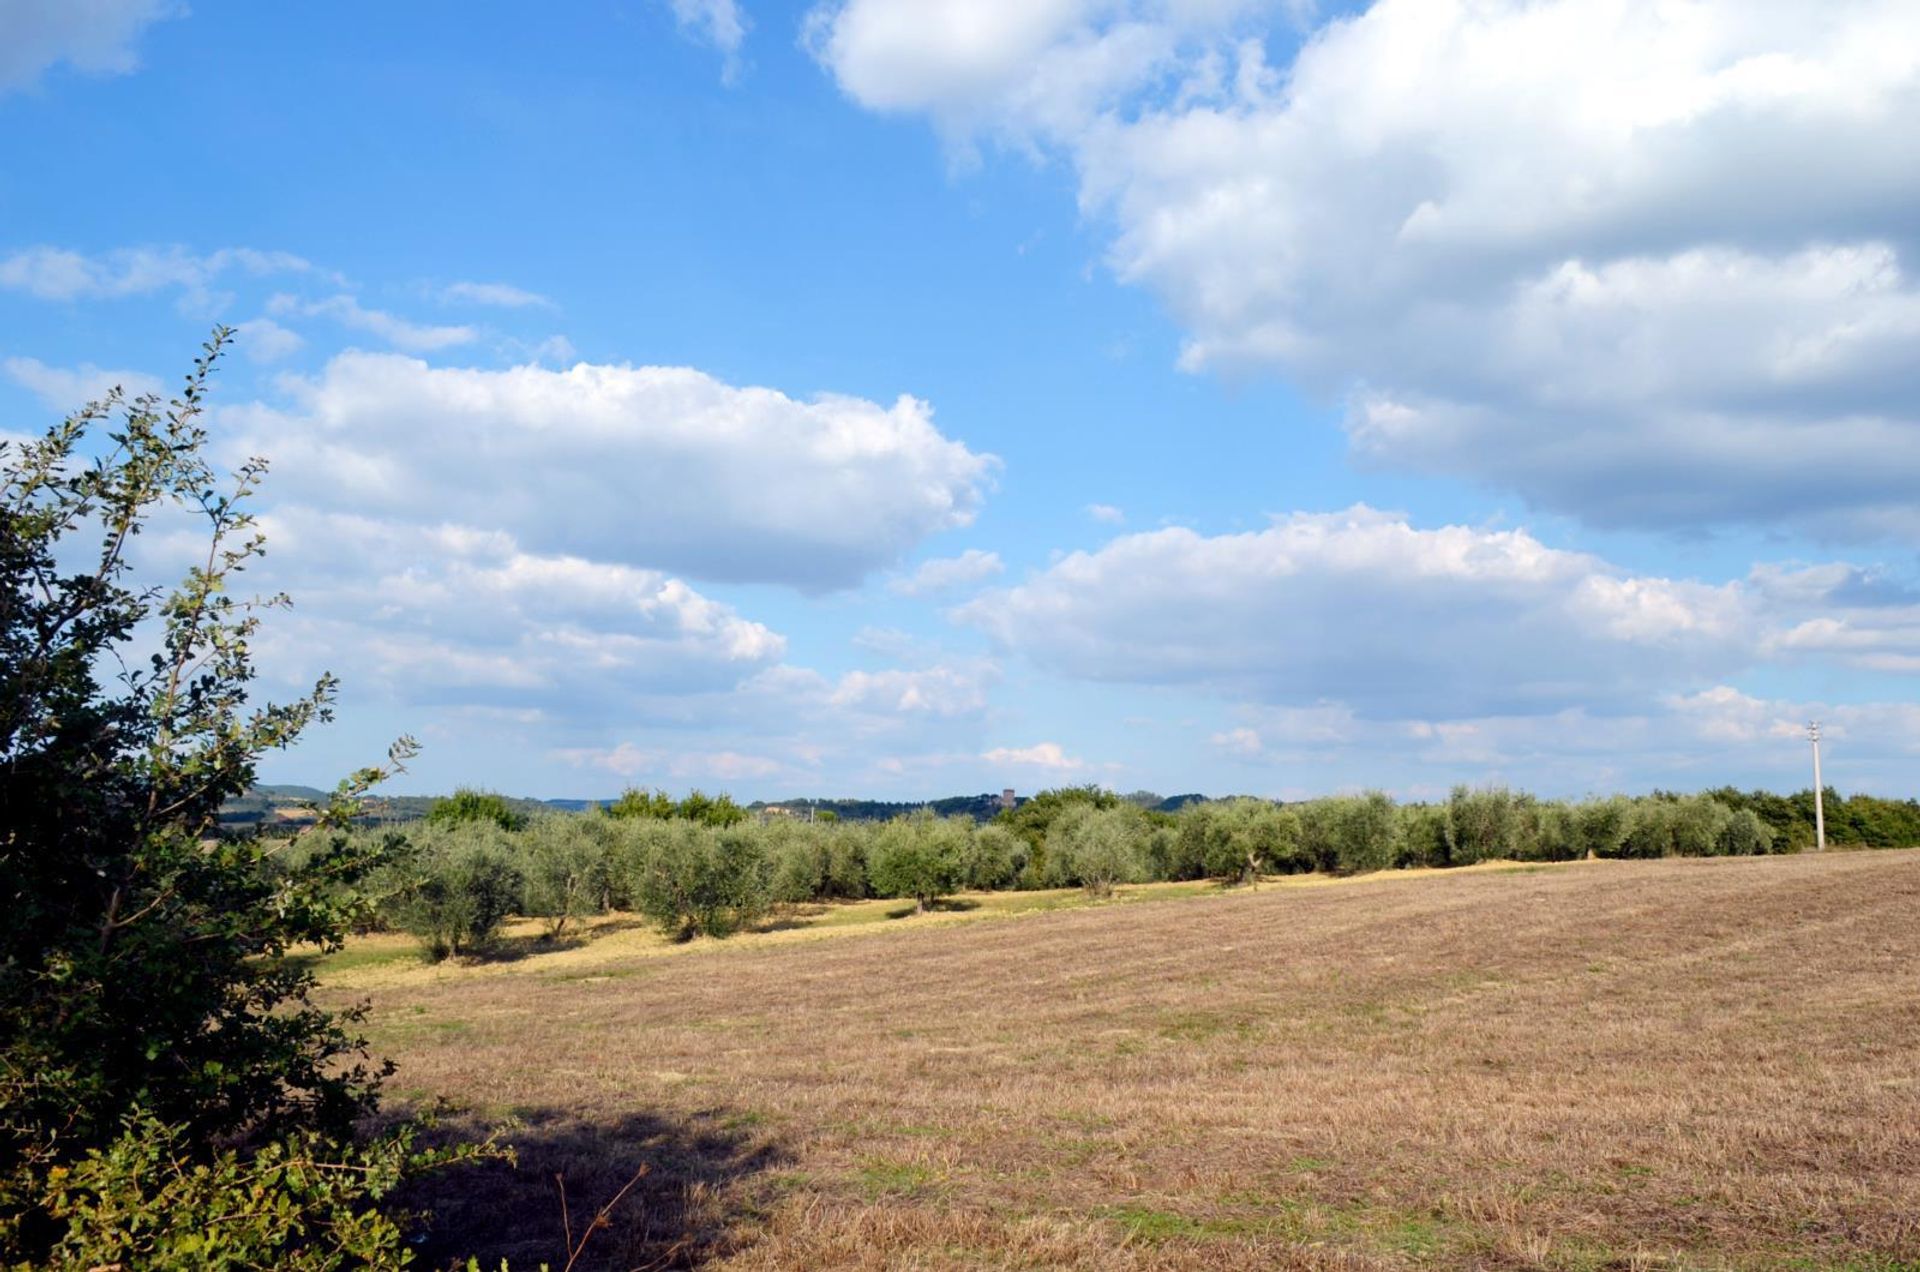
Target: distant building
{"points": [[1006, 798]]}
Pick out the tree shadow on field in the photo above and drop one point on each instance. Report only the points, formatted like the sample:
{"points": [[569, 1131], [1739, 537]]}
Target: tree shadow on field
{"points": [[515, 947], [682, 1210], [943, 905]]}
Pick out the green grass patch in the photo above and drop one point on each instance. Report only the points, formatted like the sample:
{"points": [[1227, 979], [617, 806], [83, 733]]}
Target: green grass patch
{"points": [[879, 1178]]}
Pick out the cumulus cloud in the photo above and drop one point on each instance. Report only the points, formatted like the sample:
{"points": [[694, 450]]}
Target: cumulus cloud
{"points": [[94, 36], [1041, 755], [1361, 607], [945, 573], [447, 612], [1106, 514], [66, 389], [662, 467], [1650, 264]]}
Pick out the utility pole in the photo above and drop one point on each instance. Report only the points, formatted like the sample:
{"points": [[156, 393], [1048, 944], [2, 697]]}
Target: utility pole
{"points": [[1819, 808]]}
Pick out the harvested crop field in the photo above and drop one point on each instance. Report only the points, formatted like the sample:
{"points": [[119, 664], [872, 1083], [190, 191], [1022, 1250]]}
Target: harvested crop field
{"points": [[1688, 1063]]}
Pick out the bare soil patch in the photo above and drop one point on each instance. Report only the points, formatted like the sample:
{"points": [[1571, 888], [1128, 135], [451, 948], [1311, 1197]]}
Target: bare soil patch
{"points": [[1700, 1064]]}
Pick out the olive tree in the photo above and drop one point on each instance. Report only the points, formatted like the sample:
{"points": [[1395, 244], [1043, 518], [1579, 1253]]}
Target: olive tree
{"points": [[921, 856]]}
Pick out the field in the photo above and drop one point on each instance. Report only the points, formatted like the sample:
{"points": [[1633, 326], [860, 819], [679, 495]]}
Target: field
{"points": [[1689, 1063]]}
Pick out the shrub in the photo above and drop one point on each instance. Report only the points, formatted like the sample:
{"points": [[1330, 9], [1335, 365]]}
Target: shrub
{"points": [[1098, 848], [1744, 835], [1600, 827], [564, 867], [469, 805], [150, 1012], [1421, 837], [696, 880], [1480, 825], [1364, 827], [1649, 830], [462, 885], [151, 1198], [921, 856], [999, 857], [1696, 826]]}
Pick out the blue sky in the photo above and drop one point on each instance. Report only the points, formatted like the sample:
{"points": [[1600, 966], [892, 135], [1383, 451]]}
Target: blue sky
{"points": [[908, 397]]}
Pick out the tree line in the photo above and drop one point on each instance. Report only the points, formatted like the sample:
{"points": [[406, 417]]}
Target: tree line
{"points": [[701, 866]]}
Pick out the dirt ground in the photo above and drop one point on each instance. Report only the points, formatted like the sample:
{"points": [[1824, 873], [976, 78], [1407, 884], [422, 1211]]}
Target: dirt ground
{"points": [[1698, 1064]]}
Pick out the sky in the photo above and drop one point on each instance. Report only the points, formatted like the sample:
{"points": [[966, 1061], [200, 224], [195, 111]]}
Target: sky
{"points": [[903, 398]]}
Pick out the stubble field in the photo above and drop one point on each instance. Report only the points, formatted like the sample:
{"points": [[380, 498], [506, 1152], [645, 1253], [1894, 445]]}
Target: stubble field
{"points": [[1698, 1064]]}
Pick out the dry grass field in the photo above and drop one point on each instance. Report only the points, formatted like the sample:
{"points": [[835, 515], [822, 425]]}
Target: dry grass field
{"points": [[1686, 1064]]}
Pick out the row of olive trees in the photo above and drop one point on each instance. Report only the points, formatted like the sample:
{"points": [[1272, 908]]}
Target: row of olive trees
{"points": [[453, 881]]}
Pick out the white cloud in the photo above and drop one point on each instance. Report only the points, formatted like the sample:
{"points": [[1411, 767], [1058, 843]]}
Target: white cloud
{"points": [[411, 337], [66, 389], [643, 765], [944, 573], [264, 340], [436, 613], [718, 23], [1106, 514], [1361, 607], [93, 36], [1683, 741], [503, 295], [54, 273], [1041, 755], [945, 690], [662, 467], [1648, 263]]}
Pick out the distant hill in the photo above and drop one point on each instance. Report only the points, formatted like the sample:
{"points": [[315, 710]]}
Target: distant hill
{"points": [[286, 807], [289, 807], [980, 807]]}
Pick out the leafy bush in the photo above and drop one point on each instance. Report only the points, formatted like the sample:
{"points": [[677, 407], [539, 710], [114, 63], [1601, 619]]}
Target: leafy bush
{"points": [[1098, 848], [921, 856], [1744, 835], [1480, 825], [469, 805], [151, 1198], [696, 880], [1600, 827], [564, 866], [462, 884], [150, 1011], [1421, 837]]}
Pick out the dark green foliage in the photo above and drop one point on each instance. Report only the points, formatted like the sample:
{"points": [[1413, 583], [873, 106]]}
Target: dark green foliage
{"points": [[152, 1199], [698, 806], [140, 955], [469, 805]]}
